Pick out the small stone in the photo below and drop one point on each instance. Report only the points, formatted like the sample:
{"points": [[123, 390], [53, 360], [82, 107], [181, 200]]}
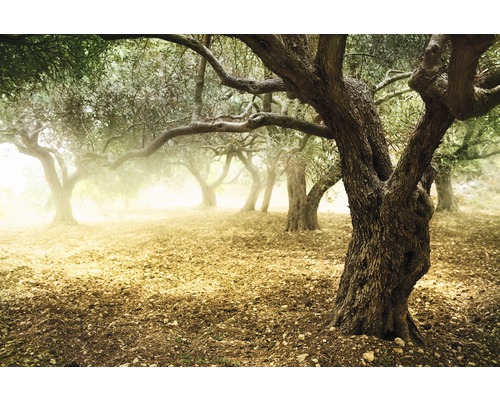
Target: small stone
{"points": [[421, 351], [437, 355], [125, 365], [315, 360], [369, 356], [400, 342], [302, 336], [175, 323], [471, 364], [153, 365], [460, 358], [136, 360], [302, 357], [52, 361], [398, 350]]}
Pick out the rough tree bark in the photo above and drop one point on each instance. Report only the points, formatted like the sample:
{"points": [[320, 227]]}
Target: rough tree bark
{"points": [[390, 210]]}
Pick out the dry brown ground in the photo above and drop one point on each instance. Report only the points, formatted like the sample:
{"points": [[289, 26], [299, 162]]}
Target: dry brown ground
{"points": [[199, 288]]}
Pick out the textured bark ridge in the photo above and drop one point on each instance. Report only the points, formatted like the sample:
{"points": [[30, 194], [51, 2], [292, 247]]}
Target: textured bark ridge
{"points": [[386, 257]]}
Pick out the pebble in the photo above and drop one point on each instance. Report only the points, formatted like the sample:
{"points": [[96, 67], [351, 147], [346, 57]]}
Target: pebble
{"points": [[398, 350], [302, 357], [421, 351], [471, 364], [437, 355], [302, 336], [315, 360], [369, 356], [400, 342]]}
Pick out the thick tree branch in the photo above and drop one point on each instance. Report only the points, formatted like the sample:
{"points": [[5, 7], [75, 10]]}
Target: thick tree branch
{"points": [[299, 75], [456, 88], [417, 155], [462, 71], [330, 56], [255, 121]]}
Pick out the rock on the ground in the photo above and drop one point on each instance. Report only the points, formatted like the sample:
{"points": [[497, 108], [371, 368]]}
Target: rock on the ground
{"points": [[369, 356], [400, 342], [302, 357]]}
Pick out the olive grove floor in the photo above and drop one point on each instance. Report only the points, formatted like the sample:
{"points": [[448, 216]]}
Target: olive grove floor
{"points": [[202, 288]]}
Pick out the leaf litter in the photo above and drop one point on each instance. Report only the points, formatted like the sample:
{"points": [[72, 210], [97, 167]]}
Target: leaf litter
{"points": [[218, 288]]}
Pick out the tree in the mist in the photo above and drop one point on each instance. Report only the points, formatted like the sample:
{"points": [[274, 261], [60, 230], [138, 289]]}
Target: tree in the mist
{"points": [[390, 208], [87, 106], [37, 127], [467, 144], [36, 72]]}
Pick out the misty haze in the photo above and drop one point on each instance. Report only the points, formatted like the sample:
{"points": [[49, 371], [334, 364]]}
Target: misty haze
{"points": [[249, 200]]}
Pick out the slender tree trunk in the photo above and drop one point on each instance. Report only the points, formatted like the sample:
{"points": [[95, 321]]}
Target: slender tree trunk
{"points": [[271, 180], [256, 184], [64, 212], [297, 196], [446, 199], [209, 198], [330, 178], [61, 189]]}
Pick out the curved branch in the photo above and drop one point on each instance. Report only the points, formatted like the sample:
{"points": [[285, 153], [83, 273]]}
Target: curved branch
{"points": [[392, 79], [255, 121], [392, 95], [247, 85], [456, 88]]}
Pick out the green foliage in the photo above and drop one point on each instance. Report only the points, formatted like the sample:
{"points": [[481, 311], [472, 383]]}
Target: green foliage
{"points": [[369, 57], [31, 61]]}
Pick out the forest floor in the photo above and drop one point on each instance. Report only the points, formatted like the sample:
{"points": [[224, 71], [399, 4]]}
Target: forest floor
{"points": [[205, 288]]}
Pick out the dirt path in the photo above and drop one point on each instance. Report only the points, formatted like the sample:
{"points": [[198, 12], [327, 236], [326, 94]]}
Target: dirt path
{"points": [[231, 289]]}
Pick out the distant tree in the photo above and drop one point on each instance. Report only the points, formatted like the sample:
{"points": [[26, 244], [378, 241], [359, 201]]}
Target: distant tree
{"points": [[467, 143]]}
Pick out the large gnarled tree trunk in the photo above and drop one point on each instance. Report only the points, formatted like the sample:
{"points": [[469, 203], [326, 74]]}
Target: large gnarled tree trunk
{"points": [[390, 210]]}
